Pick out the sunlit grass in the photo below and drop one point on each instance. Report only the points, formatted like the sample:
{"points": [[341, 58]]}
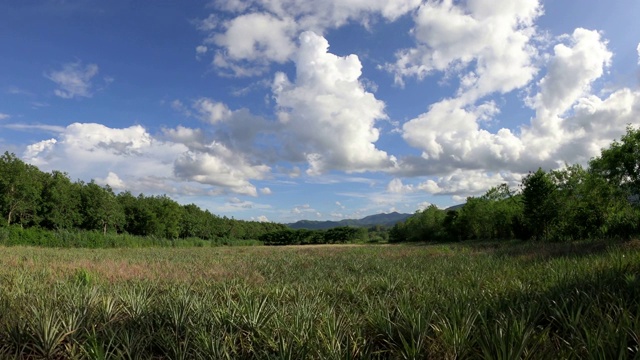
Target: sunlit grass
{"points": [[481, 300]]}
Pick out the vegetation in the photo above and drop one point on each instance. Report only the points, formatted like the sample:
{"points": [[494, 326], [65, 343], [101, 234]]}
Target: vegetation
{"points": [[573, 203], [338, 235], [469, 300], [32, 199]]}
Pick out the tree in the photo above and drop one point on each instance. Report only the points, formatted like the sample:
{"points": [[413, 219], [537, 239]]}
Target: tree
{"points": [[100, 208], [620, 163], [60, 206], [20, 190], [540, 203]]}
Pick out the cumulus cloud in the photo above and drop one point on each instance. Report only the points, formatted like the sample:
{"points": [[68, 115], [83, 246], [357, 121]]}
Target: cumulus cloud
{"points": [[4, 116], [239, 130], [450, 133], [211, 111], [566, 111], [329, 113], [396, 186], [491, 46], [73, 80], [112, 180], [495, 35], [265, 191], [571, 71], [220, 167], [132, 157], [257, 36], [264, 31], [465, 183]]}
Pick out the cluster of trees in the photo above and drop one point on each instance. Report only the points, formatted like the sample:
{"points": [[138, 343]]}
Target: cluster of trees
{"points": [[32, 198], [601, 201], [337, 235]]}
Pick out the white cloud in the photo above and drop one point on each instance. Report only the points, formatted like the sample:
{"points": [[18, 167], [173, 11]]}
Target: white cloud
{"points": [[260, 38], [113, 180], [489, 45], [32, 151], [74, 80], [572, 70], [174, 165], [4, 116], [396, 186], [329, 113], [220, 167], [570, 123], [638, 50], [468, 182], [423, 205], [264, 31], [451, 134], [303, 209], [265, 191], [262, 218], [494, 35], [211, 111], [200, 51]]}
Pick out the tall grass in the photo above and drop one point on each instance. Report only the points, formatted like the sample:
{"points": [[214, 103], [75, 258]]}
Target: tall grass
{"points": [[493, 301], [17, 236]]}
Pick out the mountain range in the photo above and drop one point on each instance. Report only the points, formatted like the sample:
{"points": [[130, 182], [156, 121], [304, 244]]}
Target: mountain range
{"points": [[389, 219]]}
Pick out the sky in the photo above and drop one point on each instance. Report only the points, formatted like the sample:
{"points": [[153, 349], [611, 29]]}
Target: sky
{"points": [[282, 110]]}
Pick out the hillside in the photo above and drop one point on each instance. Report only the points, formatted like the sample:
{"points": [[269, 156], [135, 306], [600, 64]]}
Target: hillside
{"points": [[389, 219]]}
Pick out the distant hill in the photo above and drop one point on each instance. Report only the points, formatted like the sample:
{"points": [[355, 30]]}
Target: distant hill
{"points": [[454, 207], [372, 220]]}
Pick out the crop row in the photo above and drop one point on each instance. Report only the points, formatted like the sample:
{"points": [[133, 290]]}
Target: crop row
{"points": [[399, 302]]}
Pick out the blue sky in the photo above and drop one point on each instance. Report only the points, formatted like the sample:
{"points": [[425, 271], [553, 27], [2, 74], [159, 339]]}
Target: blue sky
{"points": [[284, 110]]}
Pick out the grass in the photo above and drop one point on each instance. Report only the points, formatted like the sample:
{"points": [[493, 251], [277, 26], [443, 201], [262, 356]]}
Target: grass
{"points": [[477, 300]]}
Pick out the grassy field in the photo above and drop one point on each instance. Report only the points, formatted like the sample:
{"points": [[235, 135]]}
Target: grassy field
{"points": [[480, 300]]}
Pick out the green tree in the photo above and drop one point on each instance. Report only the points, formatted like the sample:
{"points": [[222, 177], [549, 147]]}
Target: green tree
{"points": [[426, 225], [194, 222], [168, 214], [540, 203], [620, 163], [20, 190], [60, 202], [100, 208]]}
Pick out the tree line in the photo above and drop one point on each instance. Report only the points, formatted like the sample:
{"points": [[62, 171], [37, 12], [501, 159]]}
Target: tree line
{"points": [[30, 198], [599, 201], [337, 235]]}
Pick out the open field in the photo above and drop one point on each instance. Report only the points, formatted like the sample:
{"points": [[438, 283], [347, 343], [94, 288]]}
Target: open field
{"points": [[478, 300]]}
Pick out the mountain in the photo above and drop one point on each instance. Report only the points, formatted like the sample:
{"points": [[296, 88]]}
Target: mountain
{"points": [[454, 207], [371, 220]]}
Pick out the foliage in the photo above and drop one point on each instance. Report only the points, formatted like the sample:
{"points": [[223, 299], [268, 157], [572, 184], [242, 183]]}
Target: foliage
{"points": [[620, 163], [505, 300], [19, 190], [339, 235], [569, 204], [15, 235], [539, 197], [50, 201]]}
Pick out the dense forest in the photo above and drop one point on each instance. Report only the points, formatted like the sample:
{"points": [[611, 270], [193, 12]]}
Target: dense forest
{"points": [[30, 198], [600, 201]]}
